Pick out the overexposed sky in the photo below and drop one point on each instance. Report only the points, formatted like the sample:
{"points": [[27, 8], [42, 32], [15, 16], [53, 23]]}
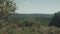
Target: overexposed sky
{"points": [[38, 6]]}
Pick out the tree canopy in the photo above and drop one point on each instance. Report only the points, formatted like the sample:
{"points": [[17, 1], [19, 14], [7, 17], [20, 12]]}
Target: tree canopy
{"points": [[6, 6], [55, 20]]}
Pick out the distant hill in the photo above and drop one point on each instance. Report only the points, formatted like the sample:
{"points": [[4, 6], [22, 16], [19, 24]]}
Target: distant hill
{"points": [[15, 15]]}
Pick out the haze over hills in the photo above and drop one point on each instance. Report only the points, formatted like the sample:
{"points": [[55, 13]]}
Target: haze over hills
{"points": [[16, 15]]}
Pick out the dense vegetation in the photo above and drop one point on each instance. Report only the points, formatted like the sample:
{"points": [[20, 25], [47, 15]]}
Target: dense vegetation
{"points": [[55, 20], [27, 25]]}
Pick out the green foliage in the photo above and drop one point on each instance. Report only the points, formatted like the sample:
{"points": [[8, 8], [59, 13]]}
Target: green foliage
{"points": [[55, 20], [23, 26], [6, 6]]}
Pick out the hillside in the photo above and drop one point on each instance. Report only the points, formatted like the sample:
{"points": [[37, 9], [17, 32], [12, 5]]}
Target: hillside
{"points": [[15, 15], [27, 24]]}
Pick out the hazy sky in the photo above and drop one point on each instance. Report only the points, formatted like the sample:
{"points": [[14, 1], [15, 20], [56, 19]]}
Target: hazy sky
{"points": [[38, 6]]}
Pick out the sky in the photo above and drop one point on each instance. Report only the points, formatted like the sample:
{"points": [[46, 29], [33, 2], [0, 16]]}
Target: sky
{"points": [[37, 6]]}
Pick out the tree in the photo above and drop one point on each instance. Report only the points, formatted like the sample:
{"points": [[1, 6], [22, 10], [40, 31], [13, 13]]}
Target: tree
{"points": [[6, 7], [56, 20]]}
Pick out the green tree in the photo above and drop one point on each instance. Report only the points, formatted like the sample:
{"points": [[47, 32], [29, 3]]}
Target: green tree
{"points": [[55, 20], [6, 7]]}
